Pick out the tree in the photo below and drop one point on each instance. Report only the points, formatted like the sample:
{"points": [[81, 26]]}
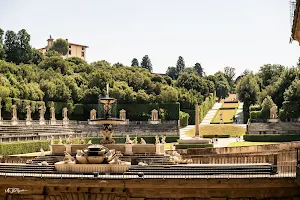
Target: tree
{"points": [[270, 73], [146, 63], [37, 57], [180, 64], [18, 49], [199, 70], [222, 90], [2, 49], [51, 53], [172, 72], [229, 73], [61, 46], [135, 62]]}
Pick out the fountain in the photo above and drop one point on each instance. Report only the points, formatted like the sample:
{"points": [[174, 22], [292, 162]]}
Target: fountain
{"points": [[107, 121]]}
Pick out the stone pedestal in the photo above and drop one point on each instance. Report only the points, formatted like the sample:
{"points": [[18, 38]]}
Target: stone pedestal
{"points": [[160, 149], [68, 148], [14, 122], [65, 121], [28, 122], [42, 122], [155, 121], [1, 121], [128, 149], [53, 122]]}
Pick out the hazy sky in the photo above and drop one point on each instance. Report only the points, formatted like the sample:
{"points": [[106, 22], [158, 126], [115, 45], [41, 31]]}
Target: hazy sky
{"points": [[217, 33]]}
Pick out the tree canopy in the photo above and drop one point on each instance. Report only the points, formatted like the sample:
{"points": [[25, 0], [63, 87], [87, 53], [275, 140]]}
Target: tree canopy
{"points": [[61, 46]]}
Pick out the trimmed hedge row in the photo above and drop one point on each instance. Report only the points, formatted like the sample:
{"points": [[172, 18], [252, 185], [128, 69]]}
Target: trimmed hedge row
{"points": [[184, 119], [189, 146], [272, 138], [11, 148]]}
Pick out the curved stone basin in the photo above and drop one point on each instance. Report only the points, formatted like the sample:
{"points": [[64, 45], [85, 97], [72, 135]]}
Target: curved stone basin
{"points": [[102, 121]]}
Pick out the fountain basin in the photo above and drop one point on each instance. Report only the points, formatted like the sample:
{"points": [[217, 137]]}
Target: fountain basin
{"points": [[101, 121], [95, 159]]}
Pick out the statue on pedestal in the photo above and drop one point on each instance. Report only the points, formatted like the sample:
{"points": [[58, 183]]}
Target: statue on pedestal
{"points": [[154, 115], [65, 116], [93, 114], [143, 141], [42, 115], [14, 118], [273, 112], [157, 140], [52, 113], [1, 119], [60, 140], [123, 114], [163, 139], [52, 140], [128, 140], [69, 140], [135, 141], [81, 141]]}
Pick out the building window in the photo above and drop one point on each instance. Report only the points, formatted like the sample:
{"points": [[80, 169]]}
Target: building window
{"points": [[69, 46], [70, 52], [82, 54], [82, 48]]}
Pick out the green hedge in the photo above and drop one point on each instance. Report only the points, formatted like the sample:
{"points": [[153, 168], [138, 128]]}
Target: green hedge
{"points": [[255, 108], [255, 115], [272, 138], [189, 146], [184, 119], [11, 148], [216, 136]]}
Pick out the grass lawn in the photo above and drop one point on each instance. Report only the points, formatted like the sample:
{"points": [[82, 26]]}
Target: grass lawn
{"points": [[219, 129], [239, 144], [227, 116], [230, 105]]}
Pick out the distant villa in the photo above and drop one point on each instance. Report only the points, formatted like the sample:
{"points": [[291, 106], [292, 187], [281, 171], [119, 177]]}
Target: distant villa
{"points": [[75, 50]]}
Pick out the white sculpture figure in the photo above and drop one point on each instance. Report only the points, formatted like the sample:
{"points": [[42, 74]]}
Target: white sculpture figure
{"points": [[42, 113], [69, 140], [42, 152], [123, 114], [157, 140], [135, 140], [154, 115], [65, 115], [68, 158], [52, 140], [163, 139], [128, 140], [60, 140], [28, 113], [79, 152], [52, 113], [90, 142], [143, 141], [14, 115], [93, 114], [1, 119]]}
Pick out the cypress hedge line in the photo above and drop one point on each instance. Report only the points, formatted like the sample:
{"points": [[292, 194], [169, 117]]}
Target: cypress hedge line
{"points": [[12, 148], [81, 112], [272, 137]]}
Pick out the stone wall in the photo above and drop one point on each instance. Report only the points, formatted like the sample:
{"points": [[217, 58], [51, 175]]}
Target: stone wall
{"points": [[150, 189], [274, 128]]}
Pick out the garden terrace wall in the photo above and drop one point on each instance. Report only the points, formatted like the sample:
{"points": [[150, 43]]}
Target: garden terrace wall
{"points": [[274, 128]]}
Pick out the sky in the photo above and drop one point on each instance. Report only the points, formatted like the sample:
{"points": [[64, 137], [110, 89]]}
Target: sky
{"points": [[244, 34]]}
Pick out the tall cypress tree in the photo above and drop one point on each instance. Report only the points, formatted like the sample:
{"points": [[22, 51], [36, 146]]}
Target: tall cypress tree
{"points": [[146, 63], [135, 62], [199, 70], [180, 64]]}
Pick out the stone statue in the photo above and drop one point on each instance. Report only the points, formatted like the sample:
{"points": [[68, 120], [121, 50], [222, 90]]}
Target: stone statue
{"points": [[52, 140], [123, 114], [42, 152], [42, 113], [65, 116], [273, 112], [69, 140], [93, 114], [60, 140], [79, 152], [107, 135], [28, 113], [154, 115], [14, 115], [163, 139], [90, 142], [1, 119], [157, 140], [128, 140], [52, 113], [68, 158], [143, 141], [135, 140]]}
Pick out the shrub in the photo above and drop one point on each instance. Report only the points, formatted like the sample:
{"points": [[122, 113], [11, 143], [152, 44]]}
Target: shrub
{"points": [[255, 115], [272, 137], [11, 148], [255, 108], [184, 119]]}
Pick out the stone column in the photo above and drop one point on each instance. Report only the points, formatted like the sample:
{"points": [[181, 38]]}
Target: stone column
{"points": [[154, 115], [14, 119], [123, 114], [65, 115], [93, 114], [42, 113], [28, 115], [197, 125], [52, 113]]}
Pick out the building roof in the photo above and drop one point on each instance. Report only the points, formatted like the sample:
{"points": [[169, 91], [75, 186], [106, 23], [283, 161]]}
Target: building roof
{"points": [[296, 25], [78, 45]]}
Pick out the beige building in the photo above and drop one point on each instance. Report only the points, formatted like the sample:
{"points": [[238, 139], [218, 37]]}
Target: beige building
{"points": [[75, 50]]}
